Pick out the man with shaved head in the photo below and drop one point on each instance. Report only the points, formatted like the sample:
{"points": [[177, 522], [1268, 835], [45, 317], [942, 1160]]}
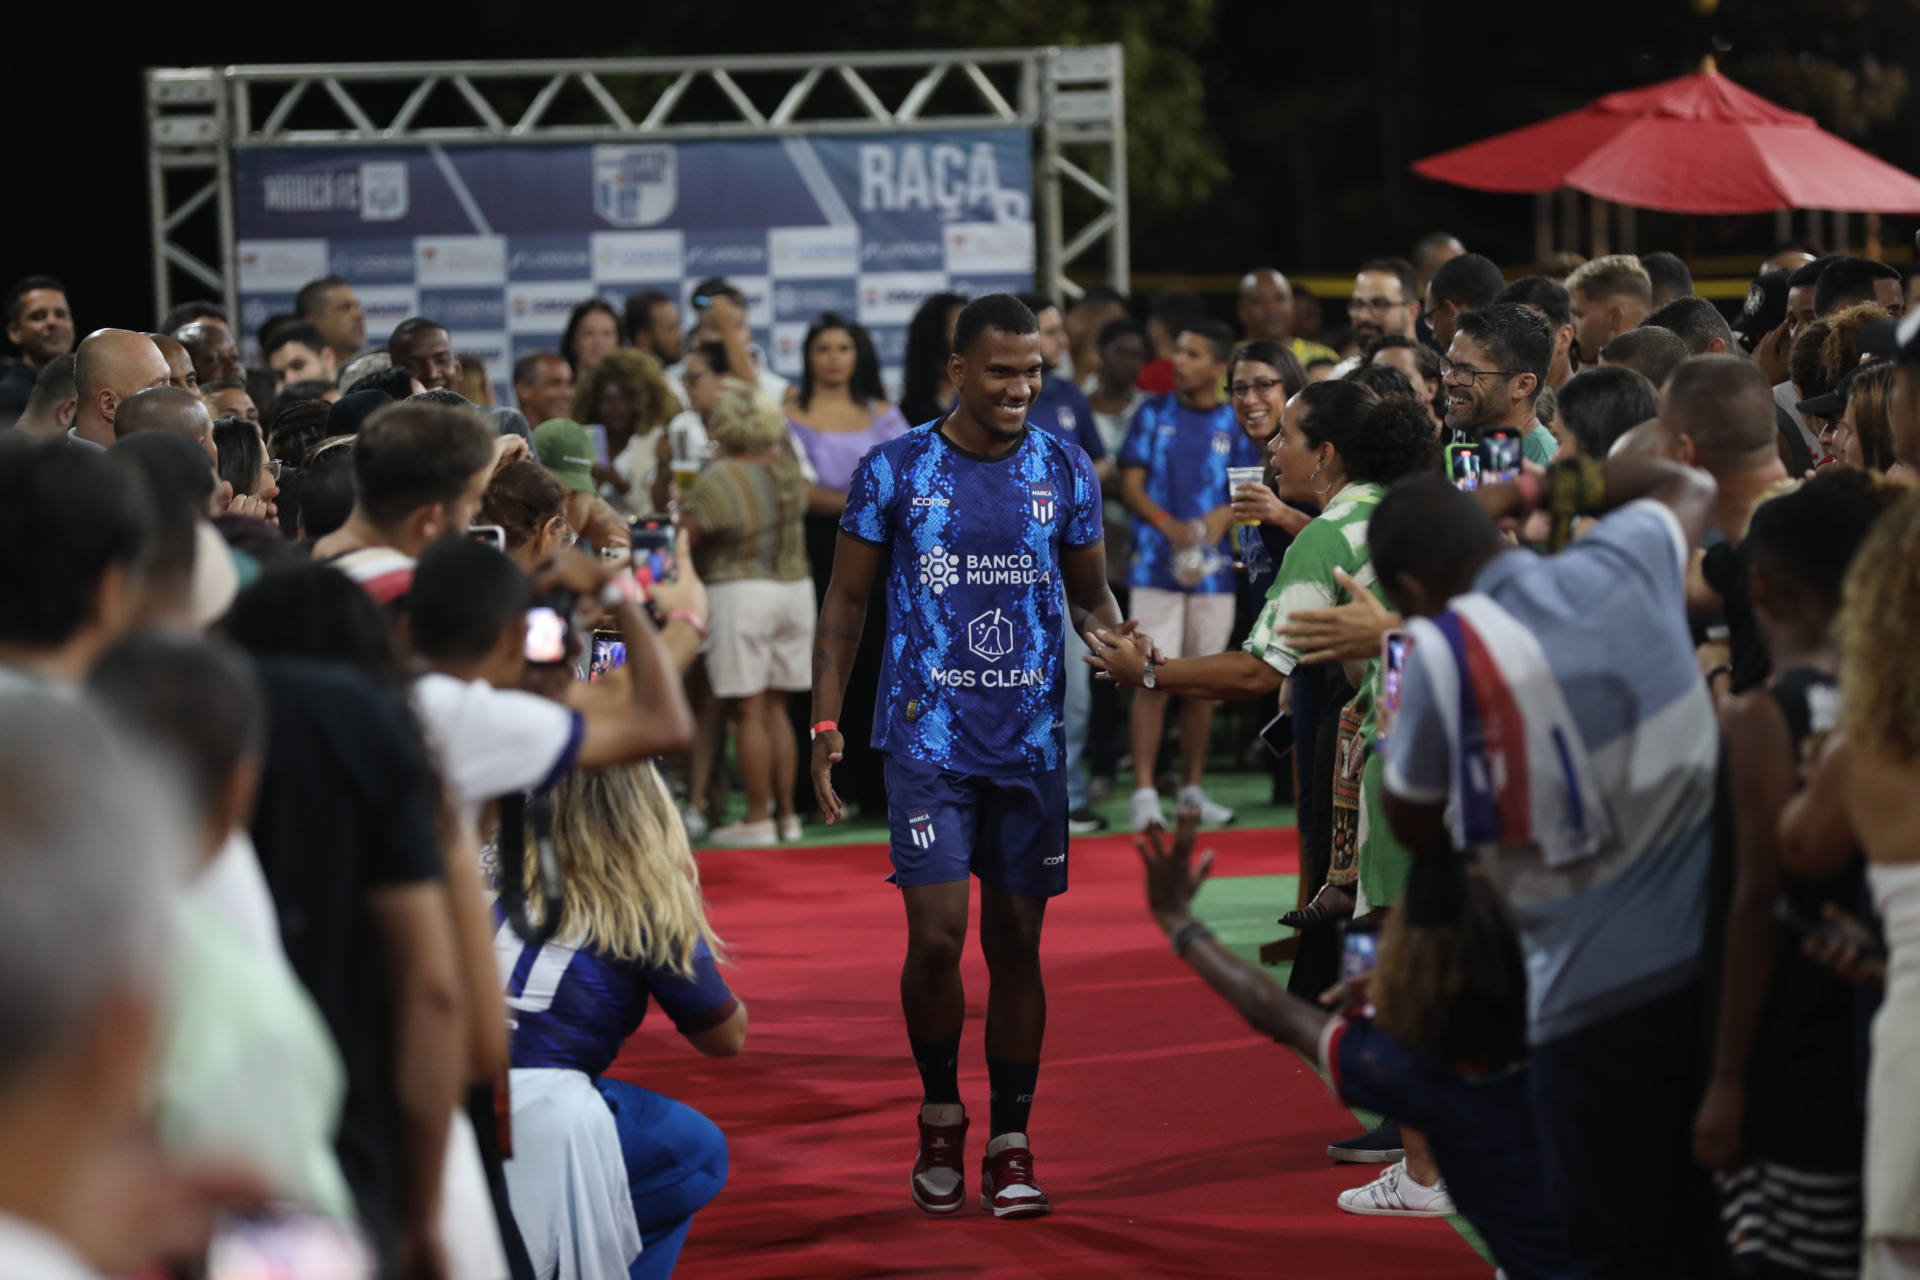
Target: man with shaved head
{"points": [[1716, 413], [171, 409], [1266, 313], [179, 363], [110, 366], [209, 343]]}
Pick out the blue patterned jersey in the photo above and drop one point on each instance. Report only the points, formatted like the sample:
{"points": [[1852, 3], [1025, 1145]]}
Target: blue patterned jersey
{"points": [[971, 677], [574, 1009], [1062, 410], [1186, 453]]}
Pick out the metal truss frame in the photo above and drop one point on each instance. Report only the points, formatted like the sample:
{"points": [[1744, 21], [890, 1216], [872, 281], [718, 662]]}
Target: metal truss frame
{"points": [[1071, 98]]}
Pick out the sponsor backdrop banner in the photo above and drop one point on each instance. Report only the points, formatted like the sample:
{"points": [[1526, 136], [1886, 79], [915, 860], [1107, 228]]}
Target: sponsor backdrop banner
{"points": [[499, 243]]}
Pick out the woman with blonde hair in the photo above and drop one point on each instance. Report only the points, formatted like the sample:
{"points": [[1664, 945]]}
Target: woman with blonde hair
{"points": [[1865, 793], [628, 396], [745, 518], [632, 927]]}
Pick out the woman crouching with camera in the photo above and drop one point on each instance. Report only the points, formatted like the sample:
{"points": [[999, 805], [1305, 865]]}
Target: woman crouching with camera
{"points": [[631, 927]]}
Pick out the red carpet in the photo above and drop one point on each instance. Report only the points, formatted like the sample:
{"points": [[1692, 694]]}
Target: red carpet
{"points": [[1172, 1141]]}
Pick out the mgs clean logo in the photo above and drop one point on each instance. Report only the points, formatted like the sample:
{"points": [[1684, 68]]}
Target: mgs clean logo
{"points": [[635, 186], [920, 828], [990, 635], [939, 569]]}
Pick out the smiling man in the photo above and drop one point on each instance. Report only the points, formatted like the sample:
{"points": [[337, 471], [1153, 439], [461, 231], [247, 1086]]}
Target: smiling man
{"points": [[424, 348], [40, 324], [1493, 373], [975, 521]]}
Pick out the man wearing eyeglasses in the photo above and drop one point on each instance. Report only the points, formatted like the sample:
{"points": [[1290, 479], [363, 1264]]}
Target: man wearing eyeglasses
{"points": [[1493, 373], [1386, 299]]}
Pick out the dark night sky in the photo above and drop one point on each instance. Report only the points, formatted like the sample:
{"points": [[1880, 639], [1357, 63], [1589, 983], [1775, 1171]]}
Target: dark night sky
{"points": [[1294, 93]]}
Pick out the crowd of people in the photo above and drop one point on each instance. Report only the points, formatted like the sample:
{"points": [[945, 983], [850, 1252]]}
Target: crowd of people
{"points": [[357, 734]]}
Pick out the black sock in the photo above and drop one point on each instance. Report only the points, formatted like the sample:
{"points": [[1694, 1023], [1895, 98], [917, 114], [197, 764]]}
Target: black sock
{"points": [[1012, 1084], [939, 1063]]}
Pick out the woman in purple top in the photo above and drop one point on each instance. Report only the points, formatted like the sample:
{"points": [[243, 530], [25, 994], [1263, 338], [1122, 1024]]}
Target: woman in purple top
{"points": [[839, 412], [840, 409]]}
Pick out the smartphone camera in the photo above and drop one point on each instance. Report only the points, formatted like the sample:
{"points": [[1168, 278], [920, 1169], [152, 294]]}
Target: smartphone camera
{"points": [[1393, 665], [550, 625], [1463, 466], [1360, 949], [1499, 455], [653, 551], [609, 651], [490, 535]]}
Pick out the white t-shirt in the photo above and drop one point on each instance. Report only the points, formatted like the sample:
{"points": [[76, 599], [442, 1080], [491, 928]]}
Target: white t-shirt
{"points": [[1113, 426], [636, 464], [233, 887], [494, 742], [28, 1251]]}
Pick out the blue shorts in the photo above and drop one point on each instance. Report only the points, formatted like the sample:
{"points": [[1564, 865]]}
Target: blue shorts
{"points": [[1011, 832]]}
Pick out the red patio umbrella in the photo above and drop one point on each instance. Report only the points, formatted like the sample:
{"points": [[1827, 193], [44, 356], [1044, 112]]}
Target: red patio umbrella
{"points": [[1698, 144]]}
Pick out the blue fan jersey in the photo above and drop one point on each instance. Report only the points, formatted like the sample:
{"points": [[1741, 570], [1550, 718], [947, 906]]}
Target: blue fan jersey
{"points": [[572, 1008], [1062, 410], [971, 676], [1186, 453]]}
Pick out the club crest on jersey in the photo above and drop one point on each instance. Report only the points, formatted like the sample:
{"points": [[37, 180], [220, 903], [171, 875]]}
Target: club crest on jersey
{"points": [[920, 827], [1042, 502]]}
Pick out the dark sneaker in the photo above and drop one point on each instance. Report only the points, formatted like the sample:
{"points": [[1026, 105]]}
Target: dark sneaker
{"points": [[939, 1181], [1084, 821], [1007, 1188], [1382, 1146]]}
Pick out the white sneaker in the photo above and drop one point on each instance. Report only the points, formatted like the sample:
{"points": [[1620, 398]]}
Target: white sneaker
{"points": [[1212, 812], [1394, 1194], [696, 824], [1145, 811], [790, 827], [751, 835]]}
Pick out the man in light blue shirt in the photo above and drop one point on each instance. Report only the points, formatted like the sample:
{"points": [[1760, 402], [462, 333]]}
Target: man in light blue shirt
{"points": [[1613, 942]]}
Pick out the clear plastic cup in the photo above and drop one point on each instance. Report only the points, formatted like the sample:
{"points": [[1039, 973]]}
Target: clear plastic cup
{"points": [[1239, 476]]}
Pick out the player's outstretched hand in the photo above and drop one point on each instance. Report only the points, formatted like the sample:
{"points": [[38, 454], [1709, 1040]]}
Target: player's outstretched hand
{"points": [[828, 748], [1131, 630], [1172, 876]]}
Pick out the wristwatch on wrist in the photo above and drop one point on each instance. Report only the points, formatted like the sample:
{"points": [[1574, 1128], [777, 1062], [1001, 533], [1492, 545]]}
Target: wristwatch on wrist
{"points": [[1146, 676]]}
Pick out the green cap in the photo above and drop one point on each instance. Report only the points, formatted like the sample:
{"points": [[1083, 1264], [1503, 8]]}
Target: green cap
{"points": [[564, 448]]}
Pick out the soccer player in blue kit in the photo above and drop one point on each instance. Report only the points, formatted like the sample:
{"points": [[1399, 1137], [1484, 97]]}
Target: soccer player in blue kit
{"points": [[976, 522]]}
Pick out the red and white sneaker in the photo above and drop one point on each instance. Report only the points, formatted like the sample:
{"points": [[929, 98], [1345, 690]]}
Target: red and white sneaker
{"points": [[939, 1181], [1007, 1188]]}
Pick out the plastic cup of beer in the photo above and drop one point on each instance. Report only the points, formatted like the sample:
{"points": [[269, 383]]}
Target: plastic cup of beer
{"points": [[1238, 477]]}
